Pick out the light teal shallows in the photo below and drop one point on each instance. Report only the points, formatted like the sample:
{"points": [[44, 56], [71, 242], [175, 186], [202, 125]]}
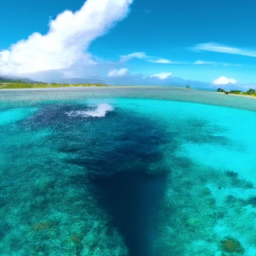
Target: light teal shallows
{"points": [[13, 115]]}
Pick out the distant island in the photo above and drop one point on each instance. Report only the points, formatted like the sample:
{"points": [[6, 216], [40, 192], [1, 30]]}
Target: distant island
{"points": [[9, 83], [250, 92]]}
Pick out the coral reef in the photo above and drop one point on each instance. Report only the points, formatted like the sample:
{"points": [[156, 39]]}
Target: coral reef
{"points": [[231, 245]]}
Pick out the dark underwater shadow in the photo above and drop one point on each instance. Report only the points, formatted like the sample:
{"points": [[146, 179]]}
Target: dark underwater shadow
{"points": [[125, 167]]}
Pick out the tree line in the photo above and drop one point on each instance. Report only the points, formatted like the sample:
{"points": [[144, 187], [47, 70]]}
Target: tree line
{"points": [[249, 92]]}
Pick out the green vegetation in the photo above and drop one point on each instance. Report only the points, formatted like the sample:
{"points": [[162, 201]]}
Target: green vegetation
{"points": [[31, 85], [250, 92], [235, 92], [20, 83], [220, 90]]}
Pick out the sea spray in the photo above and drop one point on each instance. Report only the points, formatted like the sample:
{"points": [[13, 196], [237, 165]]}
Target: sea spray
{"points": [[101, 111]]}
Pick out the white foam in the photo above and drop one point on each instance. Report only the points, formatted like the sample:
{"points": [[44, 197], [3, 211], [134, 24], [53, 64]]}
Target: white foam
{"points": [[100, 111]]}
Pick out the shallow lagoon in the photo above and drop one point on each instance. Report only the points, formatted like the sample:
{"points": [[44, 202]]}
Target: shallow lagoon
{"points": [[162, 172]]}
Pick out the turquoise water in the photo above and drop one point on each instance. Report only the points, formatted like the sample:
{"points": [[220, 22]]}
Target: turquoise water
{"points": [[13, 115], [113, 173]]}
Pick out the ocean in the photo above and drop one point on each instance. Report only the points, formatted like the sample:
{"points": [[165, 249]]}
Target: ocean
{"points": [[150, 171]]}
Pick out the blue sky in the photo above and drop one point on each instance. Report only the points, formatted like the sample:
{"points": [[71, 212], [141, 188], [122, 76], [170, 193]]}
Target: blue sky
{"points": [[212, 41]]}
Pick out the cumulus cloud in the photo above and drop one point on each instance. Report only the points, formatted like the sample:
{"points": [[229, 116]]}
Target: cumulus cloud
{"points": [[67, 40], [224, 80], [162, 76], [213, 47], [118, 72]]}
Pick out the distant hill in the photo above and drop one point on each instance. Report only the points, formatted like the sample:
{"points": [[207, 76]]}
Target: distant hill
{"points": [[10, 79]]}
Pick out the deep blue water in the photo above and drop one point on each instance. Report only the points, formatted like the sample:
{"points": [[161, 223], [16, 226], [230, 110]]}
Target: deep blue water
{"points": [[136, 177]]}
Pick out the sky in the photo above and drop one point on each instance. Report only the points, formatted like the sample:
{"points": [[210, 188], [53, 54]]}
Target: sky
{"points": [[206, 43]]}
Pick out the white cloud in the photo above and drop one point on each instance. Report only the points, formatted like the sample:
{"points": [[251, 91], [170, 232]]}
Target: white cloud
{"points": [[138, 55], [213, 47], [213, 63], [68, 38], [201, 62], [162, 76], [144, 56], [224, 80], [118, 72], [162, 61]]}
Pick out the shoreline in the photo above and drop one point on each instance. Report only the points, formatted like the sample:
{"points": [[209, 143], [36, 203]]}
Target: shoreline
{"points": [[238, 95], [181, 94], [93, 87], [123, 87]]}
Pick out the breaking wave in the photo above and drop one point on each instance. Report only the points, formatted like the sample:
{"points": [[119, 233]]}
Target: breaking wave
{"points": [[100, 111]]}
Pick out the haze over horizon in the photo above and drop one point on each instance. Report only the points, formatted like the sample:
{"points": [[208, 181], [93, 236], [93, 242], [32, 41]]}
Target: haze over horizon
{"points": [[161, 42]]}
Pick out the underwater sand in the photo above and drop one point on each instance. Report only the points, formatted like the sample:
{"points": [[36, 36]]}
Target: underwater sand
{"points": [[127, 171]]}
